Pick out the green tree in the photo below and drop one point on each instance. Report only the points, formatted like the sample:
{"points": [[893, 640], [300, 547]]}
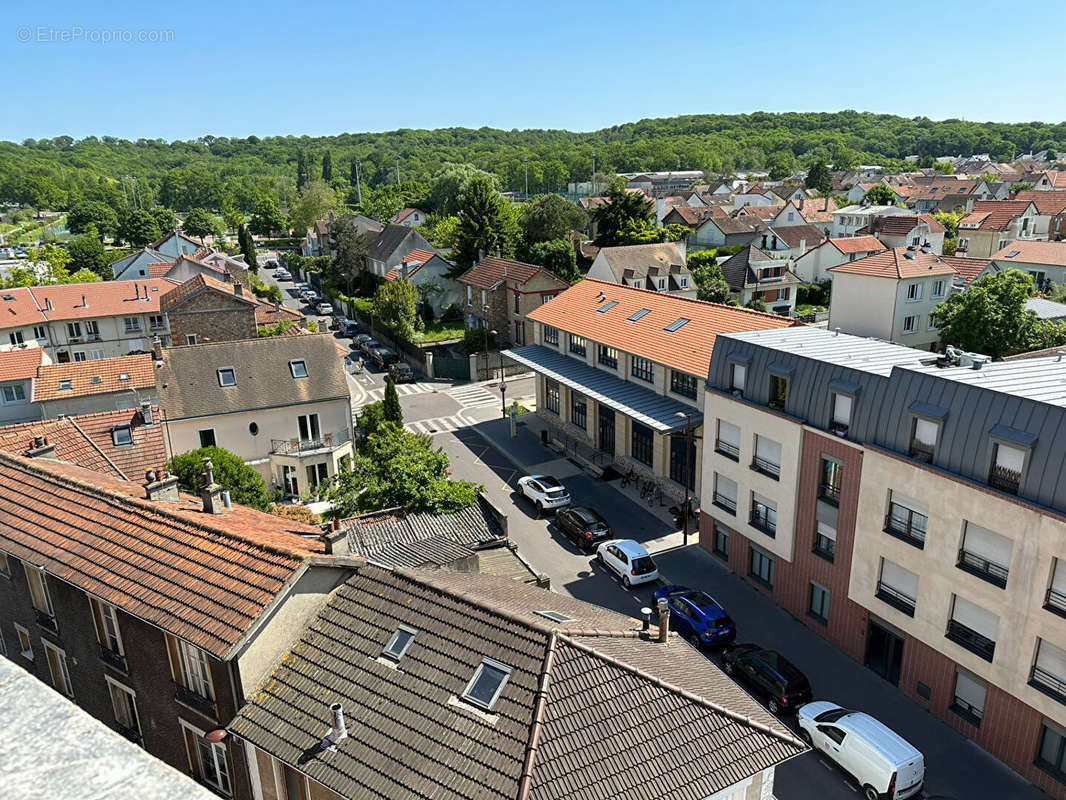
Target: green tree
{"points": [[557, 255], [327, 167], [383, 202], [1020, 187], [231, 214], [201, 223], [390, 406], [780, 165], [50, 262], [990, 317], [819, 178], [442, 232], [87, 252], [398, 469], [304, 162], [710, 282], [756, 304], [880, 195], [549, 217], [394, 304], [315, 201], [447, 184], [623, 210], [483, 223], [139, 228], [371, 416], [267, 218], [247, 245], [164, 219], [245, 485], [349, 242], [101, 216]]}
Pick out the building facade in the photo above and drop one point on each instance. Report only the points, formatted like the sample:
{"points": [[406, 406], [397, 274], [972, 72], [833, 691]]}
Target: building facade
{"points": [[501, 293]]}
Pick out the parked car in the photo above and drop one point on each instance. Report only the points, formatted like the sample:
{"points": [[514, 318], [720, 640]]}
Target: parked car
{"points": [[350, 328], [402, 373], [383, 357], [544, 491], [584, 526], [769, 674], [628, 560], [360, 338], [884, 764], [282, 274], [697, 615], [324, 309], [368, 345]]}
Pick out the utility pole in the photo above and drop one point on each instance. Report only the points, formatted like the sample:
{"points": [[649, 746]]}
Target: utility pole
{"points": [[397, 170], [525, 161], [687, 478], [593, 173], [358, 184]]}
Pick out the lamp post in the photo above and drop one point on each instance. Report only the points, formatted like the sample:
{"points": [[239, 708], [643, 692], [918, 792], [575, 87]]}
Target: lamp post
{"points": [[687, 509], [503, 388], [593, 173], [488, 334]]}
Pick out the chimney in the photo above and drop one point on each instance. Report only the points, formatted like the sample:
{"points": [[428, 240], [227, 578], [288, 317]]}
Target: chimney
{"points": [[161, 487], [664, 619], [146, 412], [403, 270], [136, 291], [645, 616], [801, 204], [210, 491], [83, 303], [41, 449], [227, 502], [277, 305], [157, 348]]}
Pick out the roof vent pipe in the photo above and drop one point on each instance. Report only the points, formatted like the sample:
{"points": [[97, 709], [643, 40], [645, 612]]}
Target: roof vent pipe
{"points": [[664, 620], [645, 615], [337, 730], [1058, 355], [226, 500]]}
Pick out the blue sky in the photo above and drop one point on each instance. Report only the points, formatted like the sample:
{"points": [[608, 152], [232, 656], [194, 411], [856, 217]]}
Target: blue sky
{"points": [[235, 69]]}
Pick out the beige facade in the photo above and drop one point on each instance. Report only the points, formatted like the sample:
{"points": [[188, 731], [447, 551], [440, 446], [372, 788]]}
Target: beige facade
{"points": [[1037, 543], [505, 307], [894, 309], [273, 780], [89, 338]]}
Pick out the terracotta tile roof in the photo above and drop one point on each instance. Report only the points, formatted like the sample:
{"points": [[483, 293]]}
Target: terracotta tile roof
{"points": [[18, 308], [159, 269], [687, 349], [765, 213], [421, 256], [993, 215], [100, 376], [858, 244], [1053, 202], [20, 364], [198, 283], [102, 299], [792, 235], [401, 215], [695, 215], [816, 210], [199, 577], [933, 223], [1049, 253], [86, 440], [966, 269], [416, 738], [266, 314], [895, 264], [490, 271], [751, 223]]}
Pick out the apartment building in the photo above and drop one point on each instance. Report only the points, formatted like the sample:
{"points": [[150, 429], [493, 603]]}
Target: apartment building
{"points": [[619, 370], [994, 224], [910, 509], [156, 613]]}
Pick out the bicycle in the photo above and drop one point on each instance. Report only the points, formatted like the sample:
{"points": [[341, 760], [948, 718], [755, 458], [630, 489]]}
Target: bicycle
{"points": [[657, 496], [629, 477], [647, 492]]}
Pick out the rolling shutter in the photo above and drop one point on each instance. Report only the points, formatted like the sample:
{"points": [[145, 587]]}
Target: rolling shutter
{"points": [[898, 578], [975, 618]]}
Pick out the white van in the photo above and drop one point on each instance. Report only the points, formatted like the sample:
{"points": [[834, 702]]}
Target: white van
{"points": [[886, 765]]}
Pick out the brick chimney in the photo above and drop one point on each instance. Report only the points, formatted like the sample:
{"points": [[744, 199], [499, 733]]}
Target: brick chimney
{"points": [[161, 487], [210, 492], [41, 449], [664, 619], [157, 348]]}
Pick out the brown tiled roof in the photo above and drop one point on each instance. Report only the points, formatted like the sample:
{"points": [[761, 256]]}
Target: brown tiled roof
{"points": [[20, 364], [737, 225], [765, 213], [994, 215], [28, 306], [687, 349], [966, 269], [1052, 202], [202, 578], [1049, 253], [413, 737], [894, 224], [488, 273], [818, 209], [895, 264], [858, 244], [86, 440], [792, 235], [401, 215], [266, 314], [159, 269], [421, 256], [101, 376], [199, 283], [695, 215], [18, 308]]}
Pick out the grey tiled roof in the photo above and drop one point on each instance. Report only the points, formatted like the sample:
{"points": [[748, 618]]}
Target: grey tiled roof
{"points": [[434, 551], [371, 534], [410, 736]]}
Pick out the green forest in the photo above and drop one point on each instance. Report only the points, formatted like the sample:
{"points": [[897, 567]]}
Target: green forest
{"points": [[216, 172]]}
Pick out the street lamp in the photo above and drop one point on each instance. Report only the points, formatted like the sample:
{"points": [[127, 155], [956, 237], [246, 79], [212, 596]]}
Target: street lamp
{"points": [[488, 334], [593, 173], [687, 509], [503, 388]]}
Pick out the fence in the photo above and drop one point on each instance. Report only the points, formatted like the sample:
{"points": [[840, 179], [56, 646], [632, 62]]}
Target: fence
{"points": [[494, 367]]}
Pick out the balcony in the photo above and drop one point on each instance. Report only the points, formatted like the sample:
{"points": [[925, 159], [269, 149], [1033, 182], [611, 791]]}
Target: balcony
{"points": [[839, 428], [725, 503], [92, 337], [983, 568], [895, 598], [1048, 683], [1006, 480], [760, 519], [768, 468], [824, 547], [971, 640], [47, 621], [830, 492], [903, 526], [195, 701], [726, 449], [920, 451], [1055, 602], [113, 659], [287, 447]]}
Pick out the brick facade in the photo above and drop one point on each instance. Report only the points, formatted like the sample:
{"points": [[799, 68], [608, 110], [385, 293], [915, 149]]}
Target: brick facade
{"points": [[212, 317]]}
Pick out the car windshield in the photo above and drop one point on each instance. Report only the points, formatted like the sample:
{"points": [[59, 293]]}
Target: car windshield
{"points": [[548, 482], [643, 565], [832, 715], [700, 599]]}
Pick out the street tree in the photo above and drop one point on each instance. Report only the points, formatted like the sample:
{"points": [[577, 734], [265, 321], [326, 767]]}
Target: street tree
{"points": [[315, 201], [880, 195], [247, 245], [550, 217], [349, 242], [164, 218], [394, 304], [267, 218], [390, 406]]}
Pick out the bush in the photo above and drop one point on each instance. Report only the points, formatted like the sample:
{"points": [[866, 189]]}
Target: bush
{"points": [[452, 313], [474, 341], [298, 513], [813, 294], [245, 485]]}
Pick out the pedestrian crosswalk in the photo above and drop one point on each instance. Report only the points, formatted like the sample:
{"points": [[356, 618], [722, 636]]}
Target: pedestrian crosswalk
{"points": [[436, 425], [402, 389], [473, 396]]}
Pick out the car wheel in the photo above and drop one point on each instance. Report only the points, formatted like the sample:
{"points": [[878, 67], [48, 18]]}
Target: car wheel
{"points": [[805, 736], [626, 582], [600, 558], [540, 509], [728, 667], [775, 709], [870, 793]]}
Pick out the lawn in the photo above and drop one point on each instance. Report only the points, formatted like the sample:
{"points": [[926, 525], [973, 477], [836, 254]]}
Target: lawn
{"points": [[809, 309], [438, 331]]}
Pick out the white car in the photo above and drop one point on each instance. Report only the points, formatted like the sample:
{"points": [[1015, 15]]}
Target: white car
{"points": [[545, 492], [324, 309], [282, 274], [884, 764], [628, 560]]}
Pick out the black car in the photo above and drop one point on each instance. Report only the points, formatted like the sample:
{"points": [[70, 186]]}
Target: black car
{"points": [[770, 674], [383, 357], [351, 329], [402, 373], [368, 345], [585, 526]]}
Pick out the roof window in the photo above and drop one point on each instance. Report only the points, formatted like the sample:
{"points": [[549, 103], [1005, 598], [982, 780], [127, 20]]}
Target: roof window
{"points": [[488, 681], [639, 314], [398, 643], [226, 377], [1012, 253], [123, 376], [298, 368], [65, 385], [555, 616], [677, 323], [121, 435], [606, 306]]}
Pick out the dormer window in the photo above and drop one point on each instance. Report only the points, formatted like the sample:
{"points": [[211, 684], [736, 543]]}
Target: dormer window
{"points": [[298, 368], [226, 377], [485, 687], [398, 643]]}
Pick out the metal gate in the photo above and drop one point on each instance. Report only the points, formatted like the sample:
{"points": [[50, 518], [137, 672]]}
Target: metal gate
{"points": [[455, 368]]}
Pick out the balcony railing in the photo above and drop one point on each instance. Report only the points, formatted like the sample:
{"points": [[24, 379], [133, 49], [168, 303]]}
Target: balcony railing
{"points": [[760, 518], [983, 568], [970, 639], [970, 713], [895, 598], [47, 621], [725, 503], [824, 547], [830, 492], [768, 468], [903, 524], [195, 700], [1048, 683], [132, 734], [921, 451], [1006, 480], [726, 449], [112, 659], [1055, 602], [294, 446]]}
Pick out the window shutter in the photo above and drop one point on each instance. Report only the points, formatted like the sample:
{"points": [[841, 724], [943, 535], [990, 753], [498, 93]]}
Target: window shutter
{"points": [[970, 690], [828, 531], [729, 433], [986, 544], [1051, 659], [900, 579], [913, 505], [1010, 457], [975, 618], [726, 487], [925, 431], [1058, 579], [768, 450]]}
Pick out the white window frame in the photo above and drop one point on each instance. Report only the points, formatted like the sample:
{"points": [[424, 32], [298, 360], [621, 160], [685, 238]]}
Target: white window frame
{"points": [[913, 326], [131, 324], [196, 757], [736, 384], [60, 659], [232, 373], [22, 634], [389, 652], [491, 662], [35, 574], [938, 288], [293, 368], [73, 330], [114, 686], [16, 389], [40, 333], [195, 669], [190, 338], [92, 328], [107, 613], [16, 338], [844, 418]]}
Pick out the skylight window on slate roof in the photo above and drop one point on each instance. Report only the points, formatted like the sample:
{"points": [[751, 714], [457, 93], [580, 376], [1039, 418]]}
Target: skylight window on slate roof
{"points": [[398, 643], [226, 377], [555, 616], [485, 687], [639, 314], [298, 368], [1012, 253], [606, 306], [677, 323]]}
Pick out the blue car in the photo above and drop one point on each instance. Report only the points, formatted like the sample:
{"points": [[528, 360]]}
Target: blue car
{"points": [[697, 615]]}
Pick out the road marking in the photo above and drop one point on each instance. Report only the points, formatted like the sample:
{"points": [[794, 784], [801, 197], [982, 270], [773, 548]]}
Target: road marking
{"points": [[436, 424], [824, 764], [473, 396]]}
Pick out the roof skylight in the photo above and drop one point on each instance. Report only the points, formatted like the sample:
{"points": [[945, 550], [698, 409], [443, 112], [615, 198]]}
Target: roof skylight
{"points": [[555, 616], [398, 643], [488, 681], [606, 306], [677, 323], [639, 314]]}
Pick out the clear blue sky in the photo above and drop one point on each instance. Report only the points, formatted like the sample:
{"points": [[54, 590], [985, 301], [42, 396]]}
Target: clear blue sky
{"points": [[265, 68]]}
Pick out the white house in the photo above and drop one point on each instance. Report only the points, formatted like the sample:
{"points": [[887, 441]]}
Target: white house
{"points": [[813, 266]]}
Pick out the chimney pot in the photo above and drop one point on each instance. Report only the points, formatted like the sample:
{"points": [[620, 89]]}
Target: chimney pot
{"points": [[238, 289], [146, 412], [157, 348], [664, 619], [338, 730], [210, 492], [83, 303]]}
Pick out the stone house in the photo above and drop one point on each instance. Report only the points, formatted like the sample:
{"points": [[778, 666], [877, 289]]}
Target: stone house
{"points": [[501, 292]]}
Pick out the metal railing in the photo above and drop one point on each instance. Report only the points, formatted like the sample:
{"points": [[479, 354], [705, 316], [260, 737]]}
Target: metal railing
{"points": [[824, 546], [760, 518], [829, 492], [895, 598], [1055, 602], [982, 568], [1006, 480], [725, 503], [967, 710], [289, 446], [766, 467], [921, 451], [970, 639], [726, 449], [1048, 683], [112, 659], [900, 522], [193, 699]]}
